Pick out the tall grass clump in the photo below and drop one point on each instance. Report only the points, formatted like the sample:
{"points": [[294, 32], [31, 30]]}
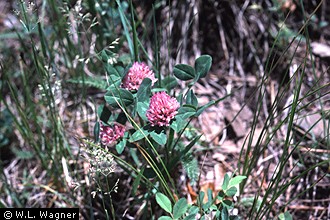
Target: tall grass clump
{"points": [[102, 110], [53, 42], [281, 129], [34, 93]]}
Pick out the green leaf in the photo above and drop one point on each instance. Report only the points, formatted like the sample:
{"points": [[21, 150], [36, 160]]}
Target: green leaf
{"points": [[212, 102], [190, 217], [114, 82], [134, 155], [120, 70], [164, 202], [203, 65], [209, 195], [323, 24], [186, 111], [202, 108], [193, 210], [190, 165], [115, 74], [104, 113], [201, 197], [124, 23], [2, 205], [227, 203], [213, 207], [3, 140], [165, 218], [178, 124], [149, 173], [136, 182], [217, 214], [180, 207], [192, 99], [221, 195], [206, 205], [97, 132], [121, 146], [121, 118], [231, 191], [121, 96], [142, 108], [184, 72], [160, 138], [224, 214], [186, 158], [169, 83], [144, 92], [285, 216], [236, 180], [225, 182], [154, 90], [22, 154], [190, 145], [112, 71], [126, 59], [139, 134], [104, 56], [95, 82], [251, 201]]}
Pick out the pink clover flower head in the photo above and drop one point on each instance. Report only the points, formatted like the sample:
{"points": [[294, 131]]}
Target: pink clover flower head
{"points": [[135, 76], [110, 134], [162, 109]]}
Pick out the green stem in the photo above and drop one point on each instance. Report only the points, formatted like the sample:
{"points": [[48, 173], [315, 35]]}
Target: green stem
{"points": [[135, 42]]}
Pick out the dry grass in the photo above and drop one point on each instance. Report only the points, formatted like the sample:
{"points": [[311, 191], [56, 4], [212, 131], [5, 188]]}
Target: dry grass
{"points": [[241, 38]]}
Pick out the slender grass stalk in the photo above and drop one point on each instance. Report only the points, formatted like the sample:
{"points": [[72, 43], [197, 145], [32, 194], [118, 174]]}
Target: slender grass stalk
{"points": [[275, 187], [126, 29], [157, 48], [135, 38]]}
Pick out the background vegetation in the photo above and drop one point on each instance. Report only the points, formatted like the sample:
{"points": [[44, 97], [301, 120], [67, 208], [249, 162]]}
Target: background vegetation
{"points": [[270, 59]]}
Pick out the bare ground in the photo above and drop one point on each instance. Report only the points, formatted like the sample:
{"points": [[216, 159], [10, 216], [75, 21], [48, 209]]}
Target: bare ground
{"points": [[239, 35]]}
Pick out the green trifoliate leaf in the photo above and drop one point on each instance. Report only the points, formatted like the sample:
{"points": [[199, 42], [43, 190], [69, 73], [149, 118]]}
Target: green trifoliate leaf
{"points": [[164, 202], [160, 138], [225, 182], [224, 214], [144, 92], [165, 218], [97, 132], [112, 71], [192, 99], [104, 113], [236, 180], [178, 124], [119, 97], [203, 65], [139, 134], [142, 108], [186, 111], [169, 83], [114, 82], [121, 146], [184, 72], [231, 191], [285, 216], [180, 208], [229, 204]]}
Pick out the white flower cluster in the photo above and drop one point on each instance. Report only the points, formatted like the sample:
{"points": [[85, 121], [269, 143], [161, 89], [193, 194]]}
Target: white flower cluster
{"points": [[100, 160]]}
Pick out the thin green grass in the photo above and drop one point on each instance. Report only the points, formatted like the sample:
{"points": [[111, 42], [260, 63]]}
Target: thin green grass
{"points": [[52, 53], [278, 184]]}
